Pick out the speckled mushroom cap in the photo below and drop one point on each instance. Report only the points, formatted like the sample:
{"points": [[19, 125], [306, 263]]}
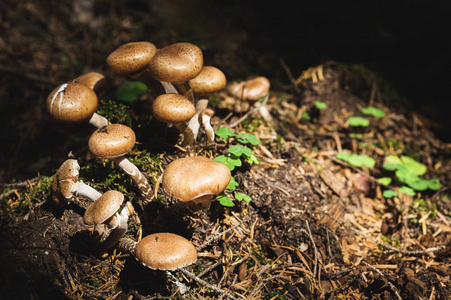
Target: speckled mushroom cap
{"points": [[130, 59], [177, 63], [173, 108], [209, 80], [165, 251], [72, 102], [193, 178], [93, 80], [252, 89], [103, 208], [64, 182], [112, 141]]}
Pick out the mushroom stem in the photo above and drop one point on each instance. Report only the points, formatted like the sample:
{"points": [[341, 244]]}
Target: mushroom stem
{"points": [[113, 234], [193, 123], [169, 88], [98, 120], [204, 118], [86, 191], [136, 175], [185, 90], [127, 245]]}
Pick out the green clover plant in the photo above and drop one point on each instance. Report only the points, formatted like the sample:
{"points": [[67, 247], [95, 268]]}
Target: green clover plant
{"points": [[237, 153]]}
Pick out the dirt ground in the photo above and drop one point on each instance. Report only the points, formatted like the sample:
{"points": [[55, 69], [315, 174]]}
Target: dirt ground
{"points": [[316, 228]]}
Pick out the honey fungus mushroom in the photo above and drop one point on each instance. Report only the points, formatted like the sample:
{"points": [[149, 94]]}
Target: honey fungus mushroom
{"points": [[165, 251], [74, 103], [175, 110], [177, 64], [104, 211], [113, 142], [66, 185], [196, 179], [93, 80]]}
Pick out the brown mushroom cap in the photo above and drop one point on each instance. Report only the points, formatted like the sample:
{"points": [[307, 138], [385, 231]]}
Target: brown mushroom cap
{"points": [[177, 63], [93, 80], [165, 251], [193, 178], [72, 102], [112, 141], [252, 89], [65, 181], [209, 80], [130, 59], [103, 208], [173, 108]]}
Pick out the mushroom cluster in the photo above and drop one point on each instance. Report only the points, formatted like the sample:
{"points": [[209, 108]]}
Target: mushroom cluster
{"points": [[180, 85], [177, 79]]}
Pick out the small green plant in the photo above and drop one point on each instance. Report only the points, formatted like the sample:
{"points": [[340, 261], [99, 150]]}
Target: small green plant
{"points": [[358, 121], [239, 152], [320, 105], [130, 91], [373, 111], [225, 200], [408, 171], [236, 154], [357, 160], [115, 112], [306, 116], [392, 241]]}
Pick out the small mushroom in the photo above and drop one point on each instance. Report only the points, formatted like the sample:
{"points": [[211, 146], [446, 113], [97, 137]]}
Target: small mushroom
{"points": [[113, 142], [196, 179], [177, 64], [175, 110], [74, 103], [93, 80], [252, 90], [66, 185], [165, 251], [103, 213], [204, 119], [209, 80]]}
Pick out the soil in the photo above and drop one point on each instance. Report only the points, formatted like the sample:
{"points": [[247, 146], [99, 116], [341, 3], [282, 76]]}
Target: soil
{"points": [[316, 227]]}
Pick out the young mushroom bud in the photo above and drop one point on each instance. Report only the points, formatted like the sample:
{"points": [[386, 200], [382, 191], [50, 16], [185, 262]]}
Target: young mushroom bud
{"points": [[204, 119], [165, 251], [196, 179], [74, 103], [113, 142], [66, 185], [177, 64]]}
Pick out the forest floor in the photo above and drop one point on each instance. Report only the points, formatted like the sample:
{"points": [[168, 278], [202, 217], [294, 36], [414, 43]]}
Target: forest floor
{"points": [[319, 225]]}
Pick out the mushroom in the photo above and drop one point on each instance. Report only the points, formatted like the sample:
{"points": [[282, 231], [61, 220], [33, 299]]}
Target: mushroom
{"points": [[113, 142], [177, 64], [252, 90], [209, 80], [165, 251], [104, 211], [66, 185], [93, 80], [204, 119], [131, 61], [195, 179], [74, 103], [175, 110]]}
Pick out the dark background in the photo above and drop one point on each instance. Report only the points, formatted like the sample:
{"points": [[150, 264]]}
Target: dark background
{"points": [[44, 43]]}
